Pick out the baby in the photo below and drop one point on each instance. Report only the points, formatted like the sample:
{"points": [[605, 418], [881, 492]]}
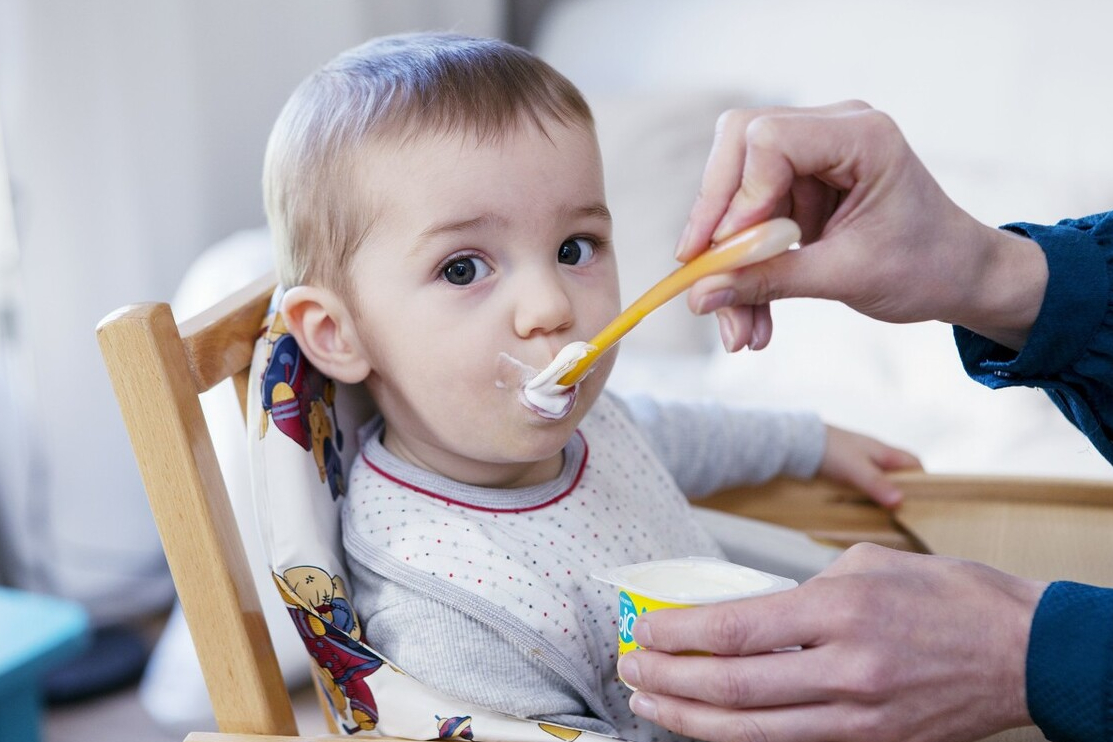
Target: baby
{"points": [[438, 208]]}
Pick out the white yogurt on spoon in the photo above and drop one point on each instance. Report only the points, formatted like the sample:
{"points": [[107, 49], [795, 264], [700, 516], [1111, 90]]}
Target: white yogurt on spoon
{"points": [[541, 393]]}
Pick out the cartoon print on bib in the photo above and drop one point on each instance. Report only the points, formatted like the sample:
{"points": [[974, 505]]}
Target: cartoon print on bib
{"points": [[561, 733], [342, 660], [299, 400], [454, 727], [326, 595]]}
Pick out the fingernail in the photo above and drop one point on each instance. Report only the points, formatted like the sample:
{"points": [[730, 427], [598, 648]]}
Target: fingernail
{"points": [[682, 243], [728, 332], [726, 228], [628, 671], [643, 635], [644, 706], [717, 300], [723, 231], [759, 339]]}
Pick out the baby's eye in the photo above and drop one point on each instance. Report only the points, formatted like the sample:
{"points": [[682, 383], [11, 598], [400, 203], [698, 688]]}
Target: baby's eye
{"points": [[462, 271], [576, 251]]}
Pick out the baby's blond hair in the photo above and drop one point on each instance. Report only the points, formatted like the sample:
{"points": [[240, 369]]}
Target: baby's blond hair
{"points": [[394, 88]]}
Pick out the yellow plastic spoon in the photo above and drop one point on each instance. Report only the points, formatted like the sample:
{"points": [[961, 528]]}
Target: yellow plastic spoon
{"points": [[753, 245]]}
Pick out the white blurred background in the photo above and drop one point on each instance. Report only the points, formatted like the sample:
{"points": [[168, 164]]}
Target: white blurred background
{"points": [[133, 134]]}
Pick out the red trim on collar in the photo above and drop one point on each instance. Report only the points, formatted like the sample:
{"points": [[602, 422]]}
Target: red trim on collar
{"points": [[444, 498]]}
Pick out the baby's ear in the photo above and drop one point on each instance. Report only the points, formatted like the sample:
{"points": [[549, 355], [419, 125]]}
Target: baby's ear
{"points": [[326, 333]]}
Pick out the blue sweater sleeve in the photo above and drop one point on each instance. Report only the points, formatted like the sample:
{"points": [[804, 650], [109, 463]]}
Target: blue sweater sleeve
{"points": [[1070, 663], [1069, 352]]}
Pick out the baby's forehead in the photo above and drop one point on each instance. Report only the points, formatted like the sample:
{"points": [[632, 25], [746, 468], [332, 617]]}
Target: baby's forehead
{"points": [[398, 163], [416, 134]]}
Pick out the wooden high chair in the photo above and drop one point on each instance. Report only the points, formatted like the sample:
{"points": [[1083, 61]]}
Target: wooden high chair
{"points": [[1044, 528]]}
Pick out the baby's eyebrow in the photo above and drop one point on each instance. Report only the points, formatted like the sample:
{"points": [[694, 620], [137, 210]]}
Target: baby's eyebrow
{"points": [[596, 211], [489, 220], [482, 221]]}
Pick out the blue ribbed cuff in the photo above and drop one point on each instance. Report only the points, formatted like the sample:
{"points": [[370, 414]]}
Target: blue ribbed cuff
{"points": [[1068, 316], [1070, 663]]}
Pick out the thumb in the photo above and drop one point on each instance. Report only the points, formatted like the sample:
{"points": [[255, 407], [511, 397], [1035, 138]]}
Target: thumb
{"points": [[796, 273]]}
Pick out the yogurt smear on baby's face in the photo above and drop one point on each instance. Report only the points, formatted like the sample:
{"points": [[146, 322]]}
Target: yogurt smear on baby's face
{"points": [[541, 391]]}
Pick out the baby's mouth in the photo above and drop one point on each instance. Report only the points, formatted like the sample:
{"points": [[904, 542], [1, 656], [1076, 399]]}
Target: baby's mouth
{"points": [[540, 390], [552, 406]]}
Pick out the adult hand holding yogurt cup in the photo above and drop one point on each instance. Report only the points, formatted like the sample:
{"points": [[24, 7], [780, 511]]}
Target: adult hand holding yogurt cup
{"points": [[889, 651], [682, 583]]}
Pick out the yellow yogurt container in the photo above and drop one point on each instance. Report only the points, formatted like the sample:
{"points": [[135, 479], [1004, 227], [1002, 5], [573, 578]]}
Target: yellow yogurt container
{"points": [[682, 583]]}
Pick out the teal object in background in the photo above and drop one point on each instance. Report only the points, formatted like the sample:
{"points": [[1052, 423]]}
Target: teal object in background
{"points": [[37, 634]]}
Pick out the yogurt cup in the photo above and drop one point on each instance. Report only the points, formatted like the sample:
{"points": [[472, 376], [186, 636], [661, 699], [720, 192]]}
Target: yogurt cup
{"points": [[682, 583]]}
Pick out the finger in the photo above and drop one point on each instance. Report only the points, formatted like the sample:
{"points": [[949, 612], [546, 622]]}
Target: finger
{"points": [[721, 177], [875, 485], [896, 459], [813, 203], [754, 681], [713, 293], [780, 149], [703, 721], [740, 325], [889, 459], [737, 627], [758, 197], [763, 327], [735, 327], [767, 281], [811, 271], [870, 475]]}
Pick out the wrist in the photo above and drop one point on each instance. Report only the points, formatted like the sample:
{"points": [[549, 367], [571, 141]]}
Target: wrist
{"points": [[1007, 289], [1026, 595]]}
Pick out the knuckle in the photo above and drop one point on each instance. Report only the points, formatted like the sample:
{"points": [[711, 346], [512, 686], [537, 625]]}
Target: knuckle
{"points": [[708, 203], [762, 131], [856, 104], [765, 291], [731, 121], [736, 690], [670, 716], [848, 604], [726, 632], [738, 727], [868, 723], [872, 679], [747, 730], [873, 480], [880, 122], [862, 553], [844, 615]]}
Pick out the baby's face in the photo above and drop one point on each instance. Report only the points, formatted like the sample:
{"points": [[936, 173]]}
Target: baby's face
{"points": [[482, 250]]}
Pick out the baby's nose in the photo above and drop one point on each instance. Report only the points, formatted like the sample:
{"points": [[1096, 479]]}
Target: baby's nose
{"points": [[542, 307]]}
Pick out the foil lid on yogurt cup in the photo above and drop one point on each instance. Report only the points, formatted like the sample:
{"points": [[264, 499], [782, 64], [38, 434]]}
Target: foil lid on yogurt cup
{"points": [[693, 580]]}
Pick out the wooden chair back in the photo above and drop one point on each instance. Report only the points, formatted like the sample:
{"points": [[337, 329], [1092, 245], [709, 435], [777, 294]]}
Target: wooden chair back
{"points": [[158, 369]]}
